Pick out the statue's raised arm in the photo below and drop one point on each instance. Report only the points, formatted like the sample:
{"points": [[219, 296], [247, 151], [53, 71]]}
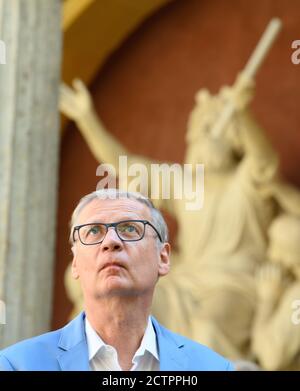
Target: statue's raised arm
{"points": [[248, 73], [77, 105], [261, 161]]}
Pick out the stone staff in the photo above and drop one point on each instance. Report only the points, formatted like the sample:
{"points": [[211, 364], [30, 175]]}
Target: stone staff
{"points": [[254, 62]]}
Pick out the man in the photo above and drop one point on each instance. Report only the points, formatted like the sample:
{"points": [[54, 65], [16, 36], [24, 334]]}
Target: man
{"points": [[120, 248]]}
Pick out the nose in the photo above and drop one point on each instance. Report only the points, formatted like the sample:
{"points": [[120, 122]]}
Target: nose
{"points": [[111, 241]]}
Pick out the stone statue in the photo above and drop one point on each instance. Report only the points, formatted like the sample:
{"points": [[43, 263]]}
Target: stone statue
{"points": [[275, 335], [210, 293]]}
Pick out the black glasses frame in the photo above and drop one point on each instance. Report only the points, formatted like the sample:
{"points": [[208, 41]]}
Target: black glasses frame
{"points": [[114, 225]]}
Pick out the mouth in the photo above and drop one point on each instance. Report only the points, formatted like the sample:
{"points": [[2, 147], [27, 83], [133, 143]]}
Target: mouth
{"points": [[114, 265]]}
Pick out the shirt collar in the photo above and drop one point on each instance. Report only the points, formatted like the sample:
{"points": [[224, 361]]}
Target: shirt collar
{"points": [[95, 342], [148, 342]]}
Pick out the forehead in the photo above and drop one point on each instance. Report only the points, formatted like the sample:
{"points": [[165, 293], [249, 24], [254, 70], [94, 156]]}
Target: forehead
{"points": [[113, 210]]}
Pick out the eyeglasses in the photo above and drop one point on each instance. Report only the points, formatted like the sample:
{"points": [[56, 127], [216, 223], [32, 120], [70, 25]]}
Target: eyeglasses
{"points": [[127, 231]]}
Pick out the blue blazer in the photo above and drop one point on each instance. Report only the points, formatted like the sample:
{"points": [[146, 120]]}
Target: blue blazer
{"points": [[66, 350]]}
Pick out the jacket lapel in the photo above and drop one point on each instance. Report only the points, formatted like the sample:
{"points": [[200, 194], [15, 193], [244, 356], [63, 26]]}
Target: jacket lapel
{"points": [[73, 350], [171, 352]]}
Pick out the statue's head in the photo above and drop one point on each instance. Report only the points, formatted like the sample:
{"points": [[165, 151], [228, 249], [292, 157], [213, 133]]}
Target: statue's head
{"points": [[216, 153], [284, 247]]}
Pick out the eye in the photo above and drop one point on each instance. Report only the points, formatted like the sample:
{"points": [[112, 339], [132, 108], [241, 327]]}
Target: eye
{"points": [[128, 228], [94, 230]]}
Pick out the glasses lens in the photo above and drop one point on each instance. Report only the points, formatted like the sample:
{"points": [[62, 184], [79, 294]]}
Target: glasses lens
{"points": [[92, 233], [130, 230]]}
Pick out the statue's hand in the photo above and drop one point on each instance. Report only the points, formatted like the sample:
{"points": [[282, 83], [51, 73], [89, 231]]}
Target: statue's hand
{"points": [[269, 282], [75, 103], [240, 94]]}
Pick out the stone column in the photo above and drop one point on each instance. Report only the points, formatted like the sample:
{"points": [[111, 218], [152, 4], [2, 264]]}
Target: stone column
{"points": [[29, 149]]}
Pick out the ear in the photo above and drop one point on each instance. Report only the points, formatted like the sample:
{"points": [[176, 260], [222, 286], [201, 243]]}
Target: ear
{"points": [[74, 268], [164, 261]]}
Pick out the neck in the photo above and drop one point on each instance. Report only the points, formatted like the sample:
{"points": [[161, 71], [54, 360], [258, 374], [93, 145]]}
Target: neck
{"points": [[120, 323]]}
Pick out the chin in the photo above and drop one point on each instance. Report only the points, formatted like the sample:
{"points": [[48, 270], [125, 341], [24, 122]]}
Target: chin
{"points": [[113, 286]]}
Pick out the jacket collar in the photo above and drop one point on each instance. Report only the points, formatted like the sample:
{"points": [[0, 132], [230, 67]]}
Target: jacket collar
{"points": [[73, 353], [172, 356]]}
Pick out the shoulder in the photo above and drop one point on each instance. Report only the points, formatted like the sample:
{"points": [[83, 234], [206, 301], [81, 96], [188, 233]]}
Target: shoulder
{"points": [[198, 356], [44, 351], [202, 357], [31, 350]]}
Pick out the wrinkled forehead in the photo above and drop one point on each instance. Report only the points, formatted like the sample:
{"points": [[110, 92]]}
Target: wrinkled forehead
{"points": [[109, 211]]}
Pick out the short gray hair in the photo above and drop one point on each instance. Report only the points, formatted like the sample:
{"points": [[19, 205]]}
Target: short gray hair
{"points": [[157, 218]]}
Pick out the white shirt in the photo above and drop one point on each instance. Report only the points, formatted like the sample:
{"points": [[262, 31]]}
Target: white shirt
{"points": [[103, 357]]}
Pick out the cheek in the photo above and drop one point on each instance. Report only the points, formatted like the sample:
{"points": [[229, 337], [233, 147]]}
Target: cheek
{"points": [[86, 261], [145, 259], [152, 260]]}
